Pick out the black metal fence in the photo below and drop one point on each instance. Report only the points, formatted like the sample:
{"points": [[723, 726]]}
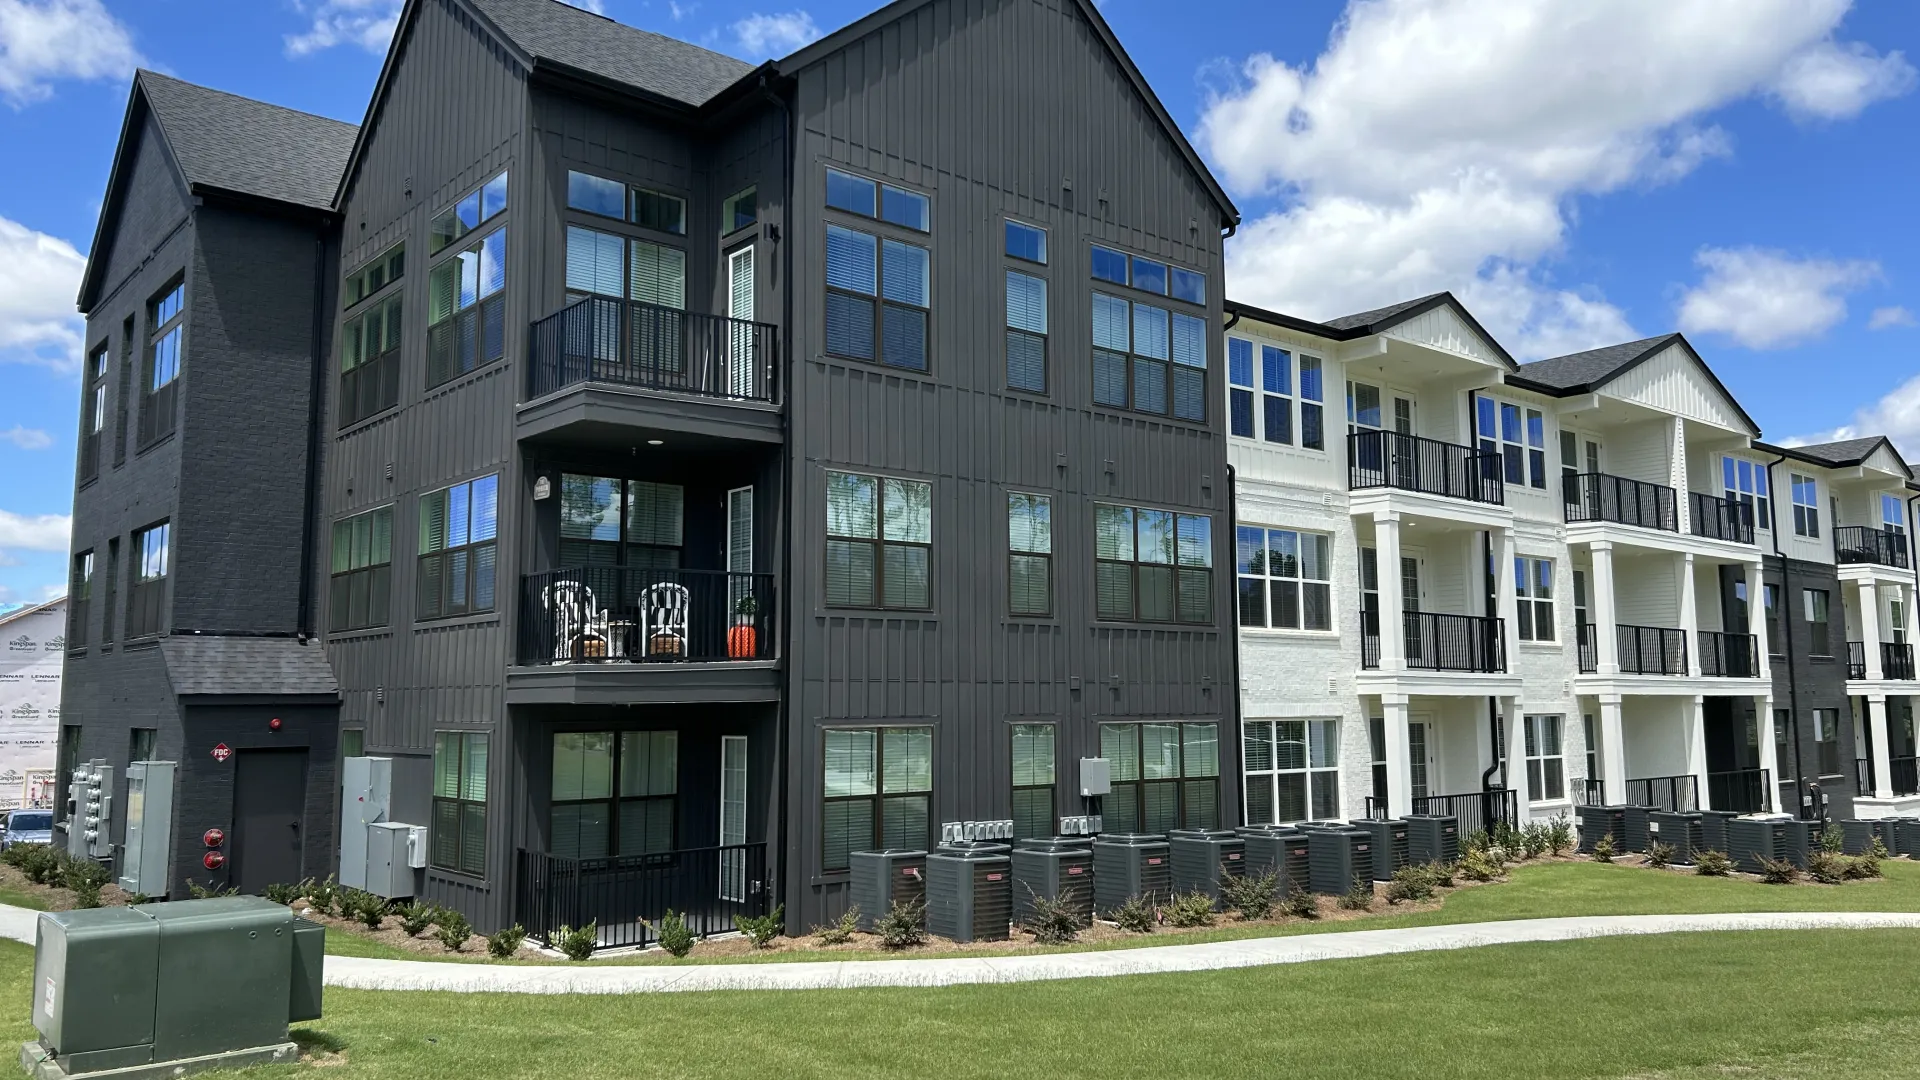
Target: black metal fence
{"points": [[1743, 790], [1860, 544], [1483, 810], [615, 614], [1856, 659], [1862, 776], [1665, 792], [1733, 656], [1439, 642], [1378, 459], [1719, 519], [1589, 648], [1589, 792], [625, 897], [1600, 497], [1896, 660], [1651, 650], [629, 343]]}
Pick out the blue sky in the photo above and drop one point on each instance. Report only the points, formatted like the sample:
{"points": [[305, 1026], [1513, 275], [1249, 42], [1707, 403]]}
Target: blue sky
{"points": [[1580, 173]]}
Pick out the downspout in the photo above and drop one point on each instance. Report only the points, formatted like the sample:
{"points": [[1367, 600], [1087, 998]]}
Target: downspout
{"points": [[1239, 720], [1492, 589], [790, 618], [303, 622], [1786, 632]]}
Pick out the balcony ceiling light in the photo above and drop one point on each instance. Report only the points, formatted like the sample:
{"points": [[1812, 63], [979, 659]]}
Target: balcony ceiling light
{"points": [[656, 442]]}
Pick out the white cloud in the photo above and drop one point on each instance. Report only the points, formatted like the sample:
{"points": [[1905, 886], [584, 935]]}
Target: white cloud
{"points": [[1897, 416], [762, 36], [1887, 318], [1767, 299], [39, 278], [1831, 81], [26, 438], [1440, 144], [366, 23], [680, 11], [595, 6], [46, 40], [39, 532]]}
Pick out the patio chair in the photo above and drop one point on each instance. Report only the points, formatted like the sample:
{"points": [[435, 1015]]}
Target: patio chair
{"points": [[579, 626], [665, 632]]}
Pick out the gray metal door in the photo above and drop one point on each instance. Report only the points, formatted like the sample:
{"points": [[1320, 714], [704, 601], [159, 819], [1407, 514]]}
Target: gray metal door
{"points": [[269, 812]]}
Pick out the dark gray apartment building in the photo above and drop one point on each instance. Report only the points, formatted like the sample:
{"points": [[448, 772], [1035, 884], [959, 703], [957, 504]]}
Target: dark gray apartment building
{"points": [[687, 472]]}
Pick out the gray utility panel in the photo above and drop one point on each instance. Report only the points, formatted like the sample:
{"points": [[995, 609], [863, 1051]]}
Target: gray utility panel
{"points": [[146, 858], [1713, 829], [90, 811], [969, 893], [1858, 835], [1203, 858], [1750, 839], [1281, 849], [1390, 846], [1637, 825], [385, 857], [1338, 859], [880, 879], [120, 987], [1598, 821], [1433, 838], [1058, 869], [1679, 829], [1801, 839], [1127, 865]]}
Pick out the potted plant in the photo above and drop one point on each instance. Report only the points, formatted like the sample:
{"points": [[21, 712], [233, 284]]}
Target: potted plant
{"points": [[743, 638]]}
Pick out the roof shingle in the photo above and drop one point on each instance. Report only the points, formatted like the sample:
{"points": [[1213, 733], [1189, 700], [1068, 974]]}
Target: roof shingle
{"points": [[237, 144], [550, 30], [1590, 368], [1377, 315], [247, 665]]}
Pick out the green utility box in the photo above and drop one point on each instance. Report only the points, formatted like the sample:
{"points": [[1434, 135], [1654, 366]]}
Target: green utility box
{"points": [[171, 988]]}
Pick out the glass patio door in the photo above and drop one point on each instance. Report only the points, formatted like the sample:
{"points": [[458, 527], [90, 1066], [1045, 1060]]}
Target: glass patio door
{"points": [[733, 817]]}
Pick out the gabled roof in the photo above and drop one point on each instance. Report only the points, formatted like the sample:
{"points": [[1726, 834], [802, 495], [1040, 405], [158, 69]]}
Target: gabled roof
{"points": [[549, 31], [223, 144], [1843, 454], [1378, 321], [1586, 372], [1384, 316], [247, 665], [31, 609]]}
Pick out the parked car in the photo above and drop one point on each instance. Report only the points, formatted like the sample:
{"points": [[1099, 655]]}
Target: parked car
{"points": [[27, 827]]}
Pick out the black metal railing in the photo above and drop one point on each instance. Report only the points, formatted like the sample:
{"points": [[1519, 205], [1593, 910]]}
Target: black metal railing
{"points": [[1665, 792], [1377, 459], [1600, 497], [1863, 776], [1742, 790], [1590, 792], [1905, 772], [1856, 659], [625, 897], [1896, 660], [1732, 656], [1589, 648], [1439, 642], [615, 614], [1860, 544], [1475, 810], [1720, 519], [1651, 650], [629, 343]]}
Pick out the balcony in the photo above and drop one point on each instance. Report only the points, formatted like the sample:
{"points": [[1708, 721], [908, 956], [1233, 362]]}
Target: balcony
{"points": [[1896, 660], [1651, 650], [1665, 792], [1388, 459], [1903, 774], [1857, 544], [1616, 499], [1437, 642], [625, 897], [1476, 811], [1729, 656], [1719, 519], [1743, 791]]}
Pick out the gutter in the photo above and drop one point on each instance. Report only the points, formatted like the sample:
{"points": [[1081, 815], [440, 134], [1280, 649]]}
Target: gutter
{"points": [[1786, 633], [789, 617]]}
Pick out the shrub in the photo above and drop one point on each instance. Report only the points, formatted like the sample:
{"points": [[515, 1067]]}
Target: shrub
{"points": [[1300, 904], [1190, 909], [1878, 849], [502, 944], [1050, 920], [903, 926], [38, 861], [1864, 866], [1440, 874], [281, 894], [840, 932], [14, 855], [1411, 884], [762, 929], [86, 877], [1134, 915], [674, 934], [369, 909], [578, 944], [1252, 896], [1603, 849], [415, 917], [1559, 836], [1833, 840], [1358, 898], [1506, 837], [1778, 871], [1533, 840], [1826, 867], [1712, 864], [209, 891], [1480, 866], [452, 929], [1476, 840], [1660, 855], [323, 894]]}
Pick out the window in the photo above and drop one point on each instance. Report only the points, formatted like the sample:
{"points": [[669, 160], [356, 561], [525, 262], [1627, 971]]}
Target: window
{"points": [[463, 217], [1240, 387], [596, 195], [1806, 506], [1893, 515], [1276, 383], [879, 542], [353, 742], [1027, 242], [362, 570], [613, 793], [896, 206], [659, 211], [93, 414], [1153, 565], [457, 529], [1149, 359], [1546, 768], [166, 320], [879, 293], [1312, 411], [466, 309], [384, 270], [1165, 776], [1518, 435], [877, 791], [1293, 770], [740, 211], [1033, 777], [1826, 736], [1377, 758], [1026, 332], [1591, 730], [79, 598], [1533, 585], [1149, 275], [1284, 578], [1745, 483], [146, 600], [609, 522], [109, 609], [1814, 604], [1029, 554], [123, 395], [459, 839], [1776, 634], [141, 743], [370, 361]]}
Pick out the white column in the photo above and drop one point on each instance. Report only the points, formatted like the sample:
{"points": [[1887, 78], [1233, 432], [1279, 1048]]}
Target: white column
{"points": [[1393, 708], [1606, 637], [1870, 634], [1505, 598], [1677, 475], [1516, 754], [1769, 753], [1882, 751], [1689, 615], [1757, 621], [1386, 557], [1696, 733], [1613, 749]]}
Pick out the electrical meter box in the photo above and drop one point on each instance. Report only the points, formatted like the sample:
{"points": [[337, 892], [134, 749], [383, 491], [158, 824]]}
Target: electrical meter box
{"points": [[147, 851], [90, 811], [1096, 777], [366, 787], [392, 858], [196, 983]]}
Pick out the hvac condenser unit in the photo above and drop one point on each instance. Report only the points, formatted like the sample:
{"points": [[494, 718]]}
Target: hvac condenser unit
{"points": [[1680, 829], [1338, 859], [1750, 839], [1433, 838], [969, 894], [1802, 839], [1203, 858], [1598, 821], [880, 879], [1058, 869], [1907, 832], [1858, 835], [1636, 827], [1281, 849], [1390, 846], [1713, 829], [1130, 864]]}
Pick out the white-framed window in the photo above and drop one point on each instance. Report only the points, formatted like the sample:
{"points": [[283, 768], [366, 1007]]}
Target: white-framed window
{"points": [[1289, 389], [1293, 770], [1745, 482], [1893, 514], [1026, 246], [1518, 435], [1546, 765], [1285, 578], [1533, 588], [1806, 506]]}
